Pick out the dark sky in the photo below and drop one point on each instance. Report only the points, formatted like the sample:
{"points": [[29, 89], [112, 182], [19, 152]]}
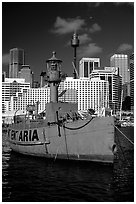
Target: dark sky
{"points": [[40, 28]]}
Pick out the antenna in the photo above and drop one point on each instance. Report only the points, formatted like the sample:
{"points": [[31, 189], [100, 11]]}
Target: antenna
{"points": [[75, 44]]}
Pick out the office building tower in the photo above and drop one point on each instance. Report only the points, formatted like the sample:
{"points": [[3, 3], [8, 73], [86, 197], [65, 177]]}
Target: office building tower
{"points": [[132, 80], [26, 73], [87, 65], [121, 61], [16, 61], [111, 74], [42, 79], [126, 90], [3, 76]]}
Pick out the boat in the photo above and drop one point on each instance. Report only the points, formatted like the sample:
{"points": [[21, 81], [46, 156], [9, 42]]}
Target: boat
{"points": [[125, 123], [63, 133]]}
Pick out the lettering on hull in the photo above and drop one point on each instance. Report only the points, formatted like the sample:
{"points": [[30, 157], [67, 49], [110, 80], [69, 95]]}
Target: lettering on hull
{"points": [[23, 135]]}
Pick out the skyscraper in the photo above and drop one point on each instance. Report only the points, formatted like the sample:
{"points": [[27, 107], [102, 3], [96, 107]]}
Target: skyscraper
{"points": [[16, 62], [87, 65], [121, 61], [3, 76], [111, 75], [132, 80], [26, 74]]}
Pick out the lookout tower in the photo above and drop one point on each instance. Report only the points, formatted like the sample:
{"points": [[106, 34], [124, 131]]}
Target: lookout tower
{"points": [[75, 44], [54, 76]]}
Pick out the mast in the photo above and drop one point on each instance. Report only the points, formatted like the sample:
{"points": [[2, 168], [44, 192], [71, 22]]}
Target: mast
{"points": [[121, 104]]}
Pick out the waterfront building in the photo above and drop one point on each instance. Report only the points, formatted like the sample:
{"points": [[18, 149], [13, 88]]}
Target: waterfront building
{"points": [[12, 88], [91, 94], [121, 61], [111, 74], [87, 65], [17, 95], [33, 96], [87, 93], [26, 73], [17, 59], [67, 94], [132, 80]]}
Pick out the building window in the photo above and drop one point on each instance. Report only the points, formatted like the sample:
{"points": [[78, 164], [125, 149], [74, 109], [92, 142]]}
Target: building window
{"points": [[95, 65], [85, 69], [91, 67]]}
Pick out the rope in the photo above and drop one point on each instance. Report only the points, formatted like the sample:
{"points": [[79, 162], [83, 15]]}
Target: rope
{"points": [[56, 154], [69, 128], [66, 142], [46, 149], [124, 135]]}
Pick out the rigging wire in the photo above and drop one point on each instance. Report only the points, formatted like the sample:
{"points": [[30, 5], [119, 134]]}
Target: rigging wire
{"points": [[123, 154], [125, 158], [124, 135]]}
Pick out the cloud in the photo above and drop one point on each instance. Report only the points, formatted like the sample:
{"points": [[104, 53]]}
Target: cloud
{"points": [[95, 27], [124, 47], [5, 59], [97, 4], [64, 26], [121, 3], [93, 4], [89, 50], [84, 38]]}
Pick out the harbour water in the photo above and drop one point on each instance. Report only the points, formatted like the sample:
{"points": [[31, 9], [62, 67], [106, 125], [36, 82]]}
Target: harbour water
{"points": [[31, 179]]}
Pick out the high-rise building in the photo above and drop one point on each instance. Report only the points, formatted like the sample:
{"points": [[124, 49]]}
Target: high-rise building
{"points": [[132, 80], [26, 73], [126, 90], [121, 61], [3, 76], [17, 59], [87, 65], [111, 74], [42, 79]]}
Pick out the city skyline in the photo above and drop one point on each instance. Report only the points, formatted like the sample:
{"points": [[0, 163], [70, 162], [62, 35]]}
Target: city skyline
{"points": [[40, 28]]}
